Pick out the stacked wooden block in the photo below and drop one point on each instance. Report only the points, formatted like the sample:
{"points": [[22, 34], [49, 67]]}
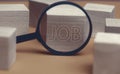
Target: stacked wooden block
{"points": [[15, 15], [98, 14], [112, 25], [65, 28], [14, 21], [106, 45]]}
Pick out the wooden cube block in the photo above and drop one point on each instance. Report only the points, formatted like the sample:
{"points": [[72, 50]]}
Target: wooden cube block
{"points": [[112, 25], [15, 15], [98, 13], [7, 47], [36, 7], [66, 28], [106, 52]]}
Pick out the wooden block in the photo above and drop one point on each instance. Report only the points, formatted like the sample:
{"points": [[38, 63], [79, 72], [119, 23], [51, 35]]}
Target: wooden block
{"points": [[98, 14], [47, 2], [36, 7], [112, 25], [106, 53], [65, 28], [7, 47], [15, 15]]}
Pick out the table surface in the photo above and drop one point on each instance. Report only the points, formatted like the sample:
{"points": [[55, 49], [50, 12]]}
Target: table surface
{"points": [[33, 58]]}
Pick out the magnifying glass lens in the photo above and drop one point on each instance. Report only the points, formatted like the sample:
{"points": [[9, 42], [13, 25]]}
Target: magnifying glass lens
{"points": [[65, 28]]}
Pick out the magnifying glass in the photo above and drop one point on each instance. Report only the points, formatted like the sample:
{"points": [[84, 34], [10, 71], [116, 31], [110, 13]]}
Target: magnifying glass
{"points": [[67, 30]]}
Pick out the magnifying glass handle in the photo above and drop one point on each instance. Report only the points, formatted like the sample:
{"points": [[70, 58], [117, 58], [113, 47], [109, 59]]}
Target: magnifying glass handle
{"points": [[26, 37]]}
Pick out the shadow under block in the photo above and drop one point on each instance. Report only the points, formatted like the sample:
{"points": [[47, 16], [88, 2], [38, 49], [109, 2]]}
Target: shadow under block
{"points": [[98, 14], [7, 47], [112, 25], [15, 15], [106, 53], [66, 28]]}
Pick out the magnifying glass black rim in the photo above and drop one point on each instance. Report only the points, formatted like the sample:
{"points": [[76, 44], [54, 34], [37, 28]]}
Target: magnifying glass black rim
{"points": [[39, 37]]}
